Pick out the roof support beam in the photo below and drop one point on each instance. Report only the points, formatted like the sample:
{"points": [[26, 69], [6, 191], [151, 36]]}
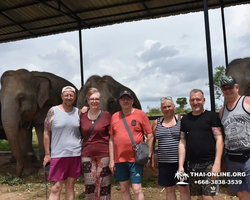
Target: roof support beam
{"points": [[145, 6], [60, 3], [81, 53], [22, 6], [56, 9], [224, 32], [21, 26], [209, 56]]}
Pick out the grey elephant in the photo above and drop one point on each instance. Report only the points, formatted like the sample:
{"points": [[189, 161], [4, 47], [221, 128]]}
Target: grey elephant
{"points": [[109, 90], [25, 97], [2, 133], [240, 70]]}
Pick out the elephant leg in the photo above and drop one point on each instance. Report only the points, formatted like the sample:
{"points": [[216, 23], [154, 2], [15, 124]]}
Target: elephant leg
{"points": [[25, 142], [39, 133]]}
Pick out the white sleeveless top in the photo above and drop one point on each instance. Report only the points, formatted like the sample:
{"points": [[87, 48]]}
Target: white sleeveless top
{"points": [[236, 123], [65, 136]]}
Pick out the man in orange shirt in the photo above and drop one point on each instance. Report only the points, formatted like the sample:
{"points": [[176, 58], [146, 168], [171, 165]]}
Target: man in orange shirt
{"points": [[122, 154]]}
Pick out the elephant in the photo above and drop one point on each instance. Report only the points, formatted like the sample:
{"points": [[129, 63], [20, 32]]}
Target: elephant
{"points": [[240, 70], [2, 133], [109, 90], [26, 96]]}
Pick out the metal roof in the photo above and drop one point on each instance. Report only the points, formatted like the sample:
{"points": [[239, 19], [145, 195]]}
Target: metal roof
{"points": [[22, 19]]}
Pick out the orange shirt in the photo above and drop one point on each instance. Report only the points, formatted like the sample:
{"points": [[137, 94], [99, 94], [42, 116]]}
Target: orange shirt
{"points": [[139, 125]]}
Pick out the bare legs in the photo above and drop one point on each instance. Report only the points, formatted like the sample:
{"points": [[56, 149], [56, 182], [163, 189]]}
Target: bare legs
{"points": [[184, 193], [137, 189], [57, 188], [243, 195]]}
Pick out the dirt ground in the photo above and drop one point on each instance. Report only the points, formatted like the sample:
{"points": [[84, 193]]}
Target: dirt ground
{"points": [[35, 187]]}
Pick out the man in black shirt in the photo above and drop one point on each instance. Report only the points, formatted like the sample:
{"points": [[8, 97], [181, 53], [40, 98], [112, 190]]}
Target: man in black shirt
{"points": [[201, 145]]}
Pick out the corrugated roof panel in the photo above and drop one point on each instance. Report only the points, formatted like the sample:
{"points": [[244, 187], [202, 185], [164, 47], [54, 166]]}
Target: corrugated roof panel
{"points": [[21, 19]]}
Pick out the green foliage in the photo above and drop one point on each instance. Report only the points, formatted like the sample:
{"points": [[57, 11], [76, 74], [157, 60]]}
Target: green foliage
{"points": [[4, 145], [153, 111], [220, 71], [81, 196], [11, 180], [182, 102], [148, 181]]}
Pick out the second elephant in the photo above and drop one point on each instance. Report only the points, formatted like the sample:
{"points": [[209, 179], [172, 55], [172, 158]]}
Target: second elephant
{"points": [[109, 90]]}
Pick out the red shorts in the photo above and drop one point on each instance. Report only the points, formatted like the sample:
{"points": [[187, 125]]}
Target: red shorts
{"points": [[65, 167]]}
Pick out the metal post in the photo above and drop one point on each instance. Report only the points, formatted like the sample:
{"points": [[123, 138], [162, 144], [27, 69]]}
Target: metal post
{"points": [[209, 56], [224, 32], [81, 54]]}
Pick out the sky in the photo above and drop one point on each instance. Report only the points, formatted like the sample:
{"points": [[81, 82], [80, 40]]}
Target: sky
{"points": [[155, 58]]}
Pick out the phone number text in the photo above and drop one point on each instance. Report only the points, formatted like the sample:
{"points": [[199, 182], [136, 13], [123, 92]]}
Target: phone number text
{"points": [[218, 182]]}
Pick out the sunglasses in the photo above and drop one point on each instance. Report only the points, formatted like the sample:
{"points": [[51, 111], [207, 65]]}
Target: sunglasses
{"points": [[227, 88], [166, 98]]}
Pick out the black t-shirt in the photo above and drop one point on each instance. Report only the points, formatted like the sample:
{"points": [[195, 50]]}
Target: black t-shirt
{"points": [[200, 142]]}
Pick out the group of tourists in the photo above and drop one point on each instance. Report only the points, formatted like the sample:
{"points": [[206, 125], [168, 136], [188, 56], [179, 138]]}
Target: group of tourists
{"points": [[191, 145]]}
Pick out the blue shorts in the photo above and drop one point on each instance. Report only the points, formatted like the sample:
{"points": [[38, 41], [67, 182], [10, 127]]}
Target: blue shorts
{"points": [[126, 170], [234, 167]]}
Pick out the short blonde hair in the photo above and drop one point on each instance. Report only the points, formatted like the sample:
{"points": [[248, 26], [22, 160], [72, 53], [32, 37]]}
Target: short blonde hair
{"points": [[167, 99], [92, 91]]}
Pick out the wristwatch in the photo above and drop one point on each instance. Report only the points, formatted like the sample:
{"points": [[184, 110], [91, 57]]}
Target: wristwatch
{"points": [[149, 158]]}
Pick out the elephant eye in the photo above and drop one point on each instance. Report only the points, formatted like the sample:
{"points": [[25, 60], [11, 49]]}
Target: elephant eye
{"points": [[21, 99]]}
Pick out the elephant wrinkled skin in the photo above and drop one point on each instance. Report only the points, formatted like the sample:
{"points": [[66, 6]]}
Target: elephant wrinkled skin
{"points": [[26, 97], [109, 90], [240, 70]]}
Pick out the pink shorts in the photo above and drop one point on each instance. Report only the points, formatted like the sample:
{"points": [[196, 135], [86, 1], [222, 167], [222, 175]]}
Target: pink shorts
{"points": [[63, 168]]}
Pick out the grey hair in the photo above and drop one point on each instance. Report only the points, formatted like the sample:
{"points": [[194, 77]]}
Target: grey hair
{"points": [[167, 99], [196, 91]]}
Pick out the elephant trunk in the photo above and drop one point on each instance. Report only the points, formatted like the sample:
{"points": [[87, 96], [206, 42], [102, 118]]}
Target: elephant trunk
{"points": [[11, 124]]}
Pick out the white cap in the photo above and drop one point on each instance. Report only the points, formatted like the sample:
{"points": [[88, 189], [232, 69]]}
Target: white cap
{"points": [[69, 88]]}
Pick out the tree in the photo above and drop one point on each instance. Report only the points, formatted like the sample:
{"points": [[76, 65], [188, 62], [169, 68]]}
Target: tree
{"points": [[153, 111], [182, 101], [220, 71]]}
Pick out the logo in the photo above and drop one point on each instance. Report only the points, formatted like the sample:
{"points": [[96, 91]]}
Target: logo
{"points": [[133, 122], [182, 177], [137, 174], [213, 189]]}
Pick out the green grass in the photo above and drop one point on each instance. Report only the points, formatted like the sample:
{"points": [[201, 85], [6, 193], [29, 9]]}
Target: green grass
{"points": [[35, 141], [149, 181], [4, 144], [11, 180]]}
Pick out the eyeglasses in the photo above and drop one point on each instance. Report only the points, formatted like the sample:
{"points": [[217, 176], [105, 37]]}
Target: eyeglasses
{"points": [[125, 99], [227, 88], [166, 98], [94, 99]]}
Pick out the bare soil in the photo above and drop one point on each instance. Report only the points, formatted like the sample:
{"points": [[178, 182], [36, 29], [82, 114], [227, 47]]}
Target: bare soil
{"points": [[35, 187]]}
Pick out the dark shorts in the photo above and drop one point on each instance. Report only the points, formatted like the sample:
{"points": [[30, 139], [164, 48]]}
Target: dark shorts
{"points": [[167, 172], [63, 168], [197, 184], [234, 168], [126, 170]]}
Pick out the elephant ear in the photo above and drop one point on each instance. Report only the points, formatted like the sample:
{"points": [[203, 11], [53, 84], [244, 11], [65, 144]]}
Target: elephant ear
{"points": [[43, 90]]}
